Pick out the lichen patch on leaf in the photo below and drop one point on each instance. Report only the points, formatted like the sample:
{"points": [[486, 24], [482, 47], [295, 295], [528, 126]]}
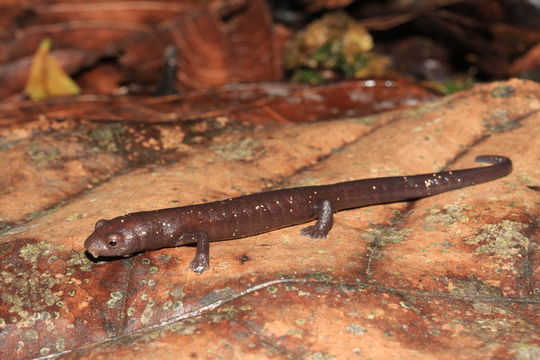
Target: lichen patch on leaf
{"points": [[503, 240], [31, 252], [247, 149], [383, 235], [448, 215]]}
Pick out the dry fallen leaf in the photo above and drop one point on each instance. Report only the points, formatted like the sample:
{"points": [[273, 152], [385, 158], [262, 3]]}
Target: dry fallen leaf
{"points": [[454, 276], [47, 78]]}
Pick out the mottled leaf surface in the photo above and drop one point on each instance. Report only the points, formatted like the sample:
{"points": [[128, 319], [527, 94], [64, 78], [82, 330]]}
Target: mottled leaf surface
{"points": [[454, 276]]}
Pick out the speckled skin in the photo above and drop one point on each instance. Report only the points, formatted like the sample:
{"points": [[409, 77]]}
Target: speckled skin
{"points": [[258, 213]]}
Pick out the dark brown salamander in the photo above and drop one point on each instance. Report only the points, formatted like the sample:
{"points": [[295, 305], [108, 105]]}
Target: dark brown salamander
{"points": [[258, 213]]}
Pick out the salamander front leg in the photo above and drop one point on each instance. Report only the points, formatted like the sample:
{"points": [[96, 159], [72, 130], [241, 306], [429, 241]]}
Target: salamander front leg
{"points": [[324, 223], [201, 261]]}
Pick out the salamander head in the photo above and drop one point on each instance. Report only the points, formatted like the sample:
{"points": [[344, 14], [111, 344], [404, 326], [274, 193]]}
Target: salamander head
{"points": [[113, 238]]}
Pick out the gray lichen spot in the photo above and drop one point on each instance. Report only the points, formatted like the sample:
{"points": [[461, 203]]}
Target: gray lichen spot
{"points": [[76, 216], [320, 275], [449, 215], [6, 277], [503, 91], [500, 113], [526, 351], [147, 313], [130, 311], [106, 136], [167, 305], [483, 307], [247, 149], [290, 287], [356, 329], [114, 301], [146, 261], [44, 351], [16, 304], [185, 329], [475, 289], [40, 316], [179, 306], [42, 156], [164, 257], [503, 240], [29, 287], [153, 270], [225, 313], [31, 334], [272, 290], [79, 259], [504, 126], [320, 356], [31, 252], [493, 325], [384, 235], [177, 292], [20, 346], [60, 344]]}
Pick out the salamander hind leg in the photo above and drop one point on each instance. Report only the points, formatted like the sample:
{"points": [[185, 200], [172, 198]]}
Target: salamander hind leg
{"points": [[201, 261], [324, 223]]}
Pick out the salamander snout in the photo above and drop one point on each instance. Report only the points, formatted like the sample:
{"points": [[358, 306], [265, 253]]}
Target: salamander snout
{"points": [[99, 244], [108, 244], [94, 247]]}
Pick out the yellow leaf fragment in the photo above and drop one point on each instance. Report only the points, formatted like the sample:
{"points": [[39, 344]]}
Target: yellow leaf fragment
{"points": [[47, 78]]}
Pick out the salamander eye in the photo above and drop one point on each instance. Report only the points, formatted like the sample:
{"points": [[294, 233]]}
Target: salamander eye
{"points": [[113, 239]]}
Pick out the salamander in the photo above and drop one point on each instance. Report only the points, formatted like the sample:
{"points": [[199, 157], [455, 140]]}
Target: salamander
{"points": [[248, 215]]}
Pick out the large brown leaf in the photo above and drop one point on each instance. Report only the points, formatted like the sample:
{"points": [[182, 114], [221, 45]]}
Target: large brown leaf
{"points": [[451, 276]]}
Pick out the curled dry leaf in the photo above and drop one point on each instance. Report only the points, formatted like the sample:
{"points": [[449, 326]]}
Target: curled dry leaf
{"points": [[217, 48]]}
